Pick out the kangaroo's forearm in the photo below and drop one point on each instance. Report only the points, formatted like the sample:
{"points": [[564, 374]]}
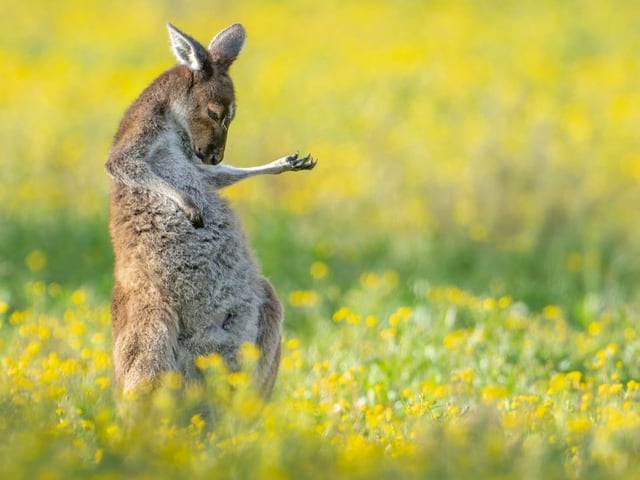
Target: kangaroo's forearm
{"points": [[220, 176], [138, 174]]}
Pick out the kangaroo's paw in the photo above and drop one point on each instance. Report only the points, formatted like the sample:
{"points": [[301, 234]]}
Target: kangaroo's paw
{"points": [[301, 163], [191, 211], [195, 217]]}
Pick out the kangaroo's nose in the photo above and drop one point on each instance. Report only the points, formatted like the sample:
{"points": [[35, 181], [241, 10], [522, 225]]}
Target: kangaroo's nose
{"points": [[217, 157]]}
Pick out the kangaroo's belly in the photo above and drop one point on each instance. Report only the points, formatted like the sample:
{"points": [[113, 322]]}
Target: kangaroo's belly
{"points": [[203, 274]]}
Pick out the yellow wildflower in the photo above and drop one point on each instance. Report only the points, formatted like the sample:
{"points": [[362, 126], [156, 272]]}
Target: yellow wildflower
{"points": [[36, 261], [319, 270]]}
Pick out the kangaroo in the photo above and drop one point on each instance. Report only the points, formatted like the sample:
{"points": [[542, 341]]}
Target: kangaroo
{"points": [[185, 281]]}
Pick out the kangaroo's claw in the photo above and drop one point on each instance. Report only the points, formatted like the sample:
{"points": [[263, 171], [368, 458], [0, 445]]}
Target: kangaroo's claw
{"points": [[195, 217], [298, 163]]}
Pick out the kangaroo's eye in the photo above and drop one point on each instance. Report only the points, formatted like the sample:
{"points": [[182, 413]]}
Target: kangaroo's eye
{"points": [[228, 321], [213, 115]]}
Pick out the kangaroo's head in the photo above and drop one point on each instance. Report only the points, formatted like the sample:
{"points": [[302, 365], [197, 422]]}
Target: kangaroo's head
{"points": [[208, 106]]}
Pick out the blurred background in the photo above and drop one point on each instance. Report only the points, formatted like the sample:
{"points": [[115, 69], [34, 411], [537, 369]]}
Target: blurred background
{"points": [[491, 146]]}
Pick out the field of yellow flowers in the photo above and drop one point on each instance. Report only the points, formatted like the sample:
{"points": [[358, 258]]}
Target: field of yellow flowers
{"points": [[459, 272]]}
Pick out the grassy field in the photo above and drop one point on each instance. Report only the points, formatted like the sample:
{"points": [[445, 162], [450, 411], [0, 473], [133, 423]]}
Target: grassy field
{"points": [[459, 272]]}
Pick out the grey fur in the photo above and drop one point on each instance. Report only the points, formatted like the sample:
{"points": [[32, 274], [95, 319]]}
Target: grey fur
{"points": [[185, 282]]}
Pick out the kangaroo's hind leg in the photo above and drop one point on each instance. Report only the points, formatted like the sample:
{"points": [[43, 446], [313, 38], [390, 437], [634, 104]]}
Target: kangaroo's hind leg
{"points": [[144, 341], [269, 339]]}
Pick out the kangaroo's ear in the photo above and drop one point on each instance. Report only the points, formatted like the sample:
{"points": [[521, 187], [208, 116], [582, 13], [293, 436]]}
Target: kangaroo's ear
{"points": [[226, 45], [187, 50]]}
